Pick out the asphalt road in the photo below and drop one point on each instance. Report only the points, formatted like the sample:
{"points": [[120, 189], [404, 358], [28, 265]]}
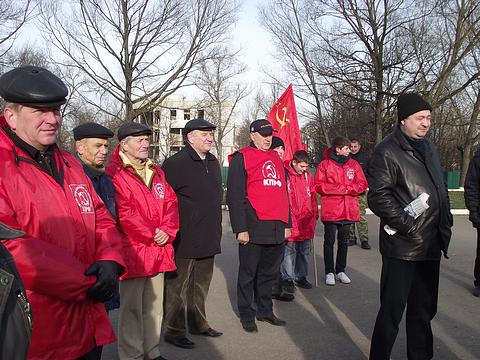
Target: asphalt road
{"points": [[336, 322]]}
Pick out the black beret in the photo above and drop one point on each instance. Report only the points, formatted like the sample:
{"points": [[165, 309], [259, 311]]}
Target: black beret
{"points": [[33, 86], [133, 129], [410, 103], [91, 130], [198, 124]]}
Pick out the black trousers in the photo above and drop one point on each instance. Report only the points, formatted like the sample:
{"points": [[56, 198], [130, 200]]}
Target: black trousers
{"points": [[187, 289], [259, 265], [413, 284], [94, 354], [342, 247], [476, 270]]}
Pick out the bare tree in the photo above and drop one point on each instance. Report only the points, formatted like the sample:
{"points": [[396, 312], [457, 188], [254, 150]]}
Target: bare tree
{"points": [[219, 82], [13, 15], [285, 21], [136, 51]]}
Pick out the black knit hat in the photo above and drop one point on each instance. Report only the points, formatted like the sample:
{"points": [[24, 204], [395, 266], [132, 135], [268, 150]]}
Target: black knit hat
{"points": [[277, 142], [410, 103], [133, 129]]}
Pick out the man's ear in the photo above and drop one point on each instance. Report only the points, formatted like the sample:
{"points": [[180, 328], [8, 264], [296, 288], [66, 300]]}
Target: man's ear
{"points": [[10, 118]]}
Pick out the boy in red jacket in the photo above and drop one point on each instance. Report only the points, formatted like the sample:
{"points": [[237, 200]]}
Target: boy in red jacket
{"points": [[339, 180], [304, 208]]}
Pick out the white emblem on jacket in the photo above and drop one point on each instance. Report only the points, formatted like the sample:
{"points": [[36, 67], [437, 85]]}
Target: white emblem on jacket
{"points": [[270, 175], [82, 197], [159, 191]]}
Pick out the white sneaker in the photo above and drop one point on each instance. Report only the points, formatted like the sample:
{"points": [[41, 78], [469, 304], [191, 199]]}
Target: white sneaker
{"points": [[330, 279], [343, 278]]}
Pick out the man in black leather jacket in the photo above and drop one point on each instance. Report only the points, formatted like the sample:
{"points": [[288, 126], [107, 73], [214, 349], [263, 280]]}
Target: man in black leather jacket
{"points": [[15, 316], [403, 166], [472, 201]]}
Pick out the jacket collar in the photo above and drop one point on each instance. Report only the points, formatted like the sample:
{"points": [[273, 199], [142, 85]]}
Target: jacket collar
{"points": [[194, 155]]}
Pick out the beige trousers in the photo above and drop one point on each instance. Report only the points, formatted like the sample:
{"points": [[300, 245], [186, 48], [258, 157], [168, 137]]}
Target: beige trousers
{"points": [[140, 317]]}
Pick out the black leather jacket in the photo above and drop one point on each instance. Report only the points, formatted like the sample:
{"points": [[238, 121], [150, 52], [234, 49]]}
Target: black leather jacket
{"points": [[397, 174], [15, 317]]}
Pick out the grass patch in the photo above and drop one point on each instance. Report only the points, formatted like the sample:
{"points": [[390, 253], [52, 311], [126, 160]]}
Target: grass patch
{"points": [[456, 199]]}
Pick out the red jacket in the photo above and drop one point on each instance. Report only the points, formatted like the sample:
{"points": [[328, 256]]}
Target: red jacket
{"points": [[303, 205], [339, 187], [68, 229], [140, 210]]}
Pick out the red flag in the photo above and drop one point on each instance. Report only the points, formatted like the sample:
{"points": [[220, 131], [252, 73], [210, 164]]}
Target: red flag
{"points": [[283, 117]]}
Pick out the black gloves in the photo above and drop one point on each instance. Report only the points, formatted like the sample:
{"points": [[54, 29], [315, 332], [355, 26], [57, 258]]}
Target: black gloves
{"points": [[107, 273]]}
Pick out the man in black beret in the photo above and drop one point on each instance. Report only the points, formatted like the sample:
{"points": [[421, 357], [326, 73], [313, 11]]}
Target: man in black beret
{"points": [[194, 174], [70, 256], [402, 167], [147, 213], [91, 147]]}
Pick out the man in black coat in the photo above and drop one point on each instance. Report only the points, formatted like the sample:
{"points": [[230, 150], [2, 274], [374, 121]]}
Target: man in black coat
{"points": [[194, 174], [472, 201], [402, 167]]}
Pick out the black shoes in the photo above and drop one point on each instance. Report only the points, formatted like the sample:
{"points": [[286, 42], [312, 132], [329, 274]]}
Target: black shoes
{"points": [[210, 332], [303, 283], [160, 358], [183, 343], [352, 242], [476, 291], [283, 296], [272, 319], [250, 326], [365, 245], [288, 286]]}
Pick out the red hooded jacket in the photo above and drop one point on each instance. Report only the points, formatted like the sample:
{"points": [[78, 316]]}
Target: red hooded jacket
{"points": [[303, 205], [339, 186], [141, 210], [68, 228]]}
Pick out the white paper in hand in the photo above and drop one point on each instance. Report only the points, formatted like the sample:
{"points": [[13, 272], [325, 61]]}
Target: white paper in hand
{"points": [[418, 206]]}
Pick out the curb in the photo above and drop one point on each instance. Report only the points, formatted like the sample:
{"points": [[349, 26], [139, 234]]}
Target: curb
{"points": [[453, 211]]}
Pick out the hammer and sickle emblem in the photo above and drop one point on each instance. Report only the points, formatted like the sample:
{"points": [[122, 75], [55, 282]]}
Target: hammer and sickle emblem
{"points": [[282, 120]]}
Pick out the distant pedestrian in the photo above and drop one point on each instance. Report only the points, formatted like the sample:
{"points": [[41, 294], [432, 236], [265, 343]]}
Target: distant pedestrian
{"points": [[195, 176], [472, 201], [339, 180], [404, 166], [260, 216], [362, 158]]}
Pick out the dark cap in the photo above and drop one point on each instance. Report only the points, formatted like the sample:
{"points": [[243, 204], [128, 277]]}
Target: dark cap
{"points": [[277, 142], [410, 103], [262, 126], [7, 233], [198, 124], [133, 129], [91, 130], [33, 86]]}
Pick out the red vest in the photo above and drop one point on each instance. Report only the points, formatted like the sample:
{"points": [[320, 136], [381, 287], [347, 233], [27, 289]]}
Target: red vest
{"points": [[266, 185]]}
